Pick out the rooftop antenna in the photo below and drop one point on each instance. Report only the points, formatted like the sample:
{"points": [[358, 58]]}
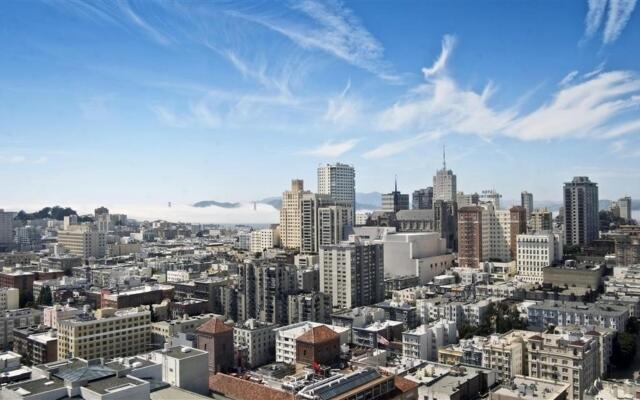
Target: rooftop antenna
{"points": [[396, 183], [444, 158]]}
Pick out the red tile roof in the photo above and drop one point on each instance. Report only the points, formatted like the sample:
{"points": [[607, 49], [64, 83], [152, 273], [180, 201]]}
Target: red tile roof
{"points": [[403, 384], [242, 389], [319, 334], [213, 326]]}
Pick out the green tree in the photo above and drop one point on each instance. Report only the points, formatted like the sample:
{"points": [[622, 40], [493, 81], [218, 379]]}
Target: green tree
{"points": [[624, 349], [46, 297]]}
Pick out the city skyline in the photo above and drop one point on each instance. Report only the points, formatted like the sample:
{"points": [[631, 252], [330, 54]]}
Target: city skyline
{"points": [[269, 89]]}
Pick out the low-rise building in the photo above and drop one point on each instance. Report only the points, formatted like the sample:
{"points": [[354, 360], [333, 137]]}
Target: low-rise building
{"points": [[256, 342], [424, 341], [37, 345], [107, 333], [286, 337], [555, 313], [216, 338]]}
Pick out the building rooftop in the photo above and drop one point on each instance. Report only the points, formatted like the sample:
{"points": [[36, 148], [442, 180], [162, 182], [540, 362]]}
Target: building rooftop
{"points": [[318, 334], [242, 389], [214, 326]]}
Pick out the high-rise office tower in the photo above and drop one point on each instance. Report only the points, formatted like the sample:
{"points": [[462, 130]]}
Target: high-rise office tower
{"points": [[322, 221], [422, 199], [469, 236], [526, 201], [352, 273], [395, 201], [581, 218], [6, 227], [445, 221], [338, 181], [444, 183], [290, 215]]}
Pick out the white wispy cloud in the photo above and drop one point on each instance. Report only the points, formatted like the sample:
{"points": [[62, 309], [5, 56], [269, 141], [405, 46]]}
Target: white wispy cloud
{"points": [[332, 28], [332, 149], [590, 107], [594, 17], [624, 149], [448, 42], [200, 114], [120, 13], [399, 146], [617, 14], [22, 159], [342, 109], [568, 78]]}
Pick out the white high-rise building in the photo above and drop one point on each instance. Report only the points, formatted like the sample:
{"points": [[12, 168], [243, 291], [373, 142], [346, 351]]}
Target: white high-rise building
{"points": [[535, 252], [264, 239], [444, 183], [499, 230], [291, 215], [338, 181], [6, 226], [624, 208]]}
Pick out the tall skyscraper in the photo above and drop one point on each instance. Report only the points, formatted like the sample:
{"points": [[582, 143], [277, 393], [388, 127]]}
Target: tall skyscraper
{"points": [[445, 221], [6, 227], [526, 201], [469, 236], [323, 221], [395, 201], [338, 181], [581, 218], [352, 273], [422, 199], [290, 215], [444, 183]]}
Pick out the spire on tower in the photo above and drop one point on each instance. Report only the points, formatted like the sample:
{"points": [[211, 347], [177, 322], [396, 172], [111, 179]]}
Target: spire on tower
{"points": [[444, 158], [396, 183]]}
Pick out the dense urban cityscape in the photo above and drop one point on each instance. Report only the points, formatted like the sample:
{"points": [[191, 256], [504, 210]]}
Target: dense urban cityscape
{"points": [[441, 294], [319, 200]]}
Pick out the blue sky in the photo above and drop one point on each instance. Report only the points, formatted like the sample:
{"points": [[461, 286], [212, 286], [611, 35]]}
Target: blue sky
{"points": [[149, 102]]}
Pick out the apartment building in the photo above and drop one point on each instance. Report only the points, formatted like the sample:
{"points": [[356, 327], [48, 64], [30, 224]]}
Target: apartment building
{"points": [[256, 342], [424, 341], [506, 353], [568, 358], [556, 313], [107, 333], [352, 273], [290, 215], [15, 319], [37, 345], [263, 239], [339, 181], [9, 298], [163, 331], [84, 241], [314, 306], [534, 253]]}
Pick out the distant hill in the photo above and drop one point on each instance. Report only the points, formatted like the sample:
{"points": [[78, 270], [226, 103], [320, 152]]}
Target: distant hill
{"points": [[368, 201], [209, 203], [275, 202], [55, 212]]}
